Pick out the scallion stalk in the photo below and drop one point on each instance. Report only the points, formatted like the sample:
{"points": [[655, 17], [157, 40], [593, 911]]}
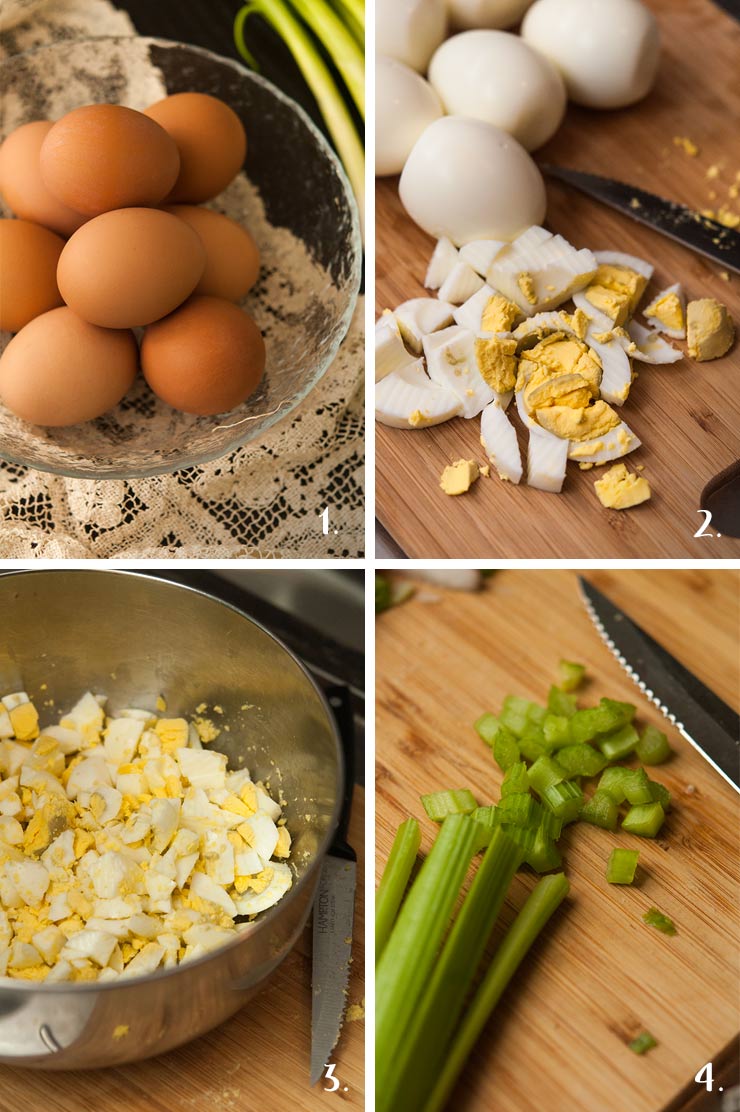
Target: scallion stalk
{"points": [[544, 900], [394, 880], [340, 43]]}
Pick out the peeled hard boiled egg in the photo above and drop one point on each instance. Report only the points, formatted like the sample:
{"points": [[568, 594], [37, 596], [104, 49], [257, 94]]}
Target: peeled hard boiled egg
{"points": [[494, 76], [28, 269], [59, 370], [468, 180], [608, 52], [405, 104], [22, 186], [410, 30], [211, 141], [465, 14]]}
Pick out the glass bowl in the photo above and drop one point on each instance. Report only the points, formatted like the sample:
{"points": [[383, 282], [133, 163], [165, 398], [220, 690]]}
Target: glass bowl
{"points": [[293, 197]]}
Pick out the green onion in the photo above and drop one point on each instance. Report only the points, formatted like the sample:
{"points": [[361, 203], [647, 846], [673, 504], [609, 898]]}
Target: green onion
{"points": [[544, 772], [660, 795], [564, 800], [581, 760], [408, 958], [345, 53], [619, 743], [458, 801], [556, 731], [621, 866], [646, 820], [601, 810], [353, 14], [544, 900], [435, 1019], [515, 781], [653, 747], [394, 880], [571, 675], [637, 786], [559, 702], [642, 1043], [661, 922]]}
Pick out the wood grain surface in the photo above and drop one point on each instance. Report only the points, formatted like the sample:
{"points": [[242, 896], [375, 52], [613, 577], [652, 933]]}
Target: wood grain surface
{"points": [[557, 1042], [687, 414], [258, 1061]]}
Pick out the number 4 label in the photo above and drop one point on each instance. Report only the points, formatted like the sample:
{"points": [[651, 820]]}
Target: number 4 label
{"points": [[705, 1076]]}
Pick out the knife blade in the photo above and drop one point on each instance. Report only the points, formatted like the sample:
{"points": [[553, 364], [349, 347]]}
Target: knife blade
{"points": [[707, 723], [334, 911], [678, 222]]}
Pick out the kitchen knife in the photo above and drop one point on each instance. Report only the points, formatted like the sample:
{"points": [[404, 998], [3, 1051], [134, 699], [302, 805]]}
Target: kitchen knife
{"points": [[334, 910], [705, 721], [699, 233]]}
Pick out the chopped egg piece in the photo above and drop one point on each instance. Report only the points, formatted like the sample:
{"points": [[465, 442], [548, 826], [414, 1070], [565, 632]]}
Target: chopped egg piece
{"points": [[619, 489], [498, 437], [667, 312], [547, 458], [539, 270], [615, 443], [460, 284], [711, 331], [409, 399], [420, 316], [443, 261], [647, 346], [457, 478], [391, 353], [480, 254], [496, 359], [452, 364], [581, 423]]}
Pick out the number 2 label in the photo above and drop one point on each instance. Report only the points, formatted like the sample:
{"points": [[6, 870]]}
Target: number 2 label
{"points": [[702, 530]]}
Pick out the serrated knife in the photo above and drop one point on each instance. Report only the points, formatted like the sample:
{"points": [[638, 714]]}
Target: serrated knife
{"points": [[334, 911], [699, 233], [708, 723]]}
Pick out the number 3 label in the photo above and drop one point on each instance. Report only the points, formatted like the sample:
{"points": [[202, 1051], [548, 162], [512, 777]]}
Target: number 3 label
{"points": [[702, 530], [329, 1075]]}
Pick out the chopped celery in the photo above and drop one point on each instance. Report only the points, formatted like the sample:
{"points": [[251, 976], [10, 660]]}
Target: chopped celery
{"points": [[408, 958], [620, 713], [382, 594], [536, 714], [556, 731], [515, 781], [486, 816], [593, 721], [571, 675], [621, 866], [458, 801], [661, 922], [524, 836], [559, 702], [544, 900], [660, 795], [645, 819], [564, 800], [642, 1043], [519, 809], [394, 880], [653, 747], [637, 786], [601, 810], [532, 743], [514, 714], [544, 772], [433, 1022], [581, 760], [488, 728], [544, 855], [551, 825], [619, 743], [505, 749], [612, 781]]}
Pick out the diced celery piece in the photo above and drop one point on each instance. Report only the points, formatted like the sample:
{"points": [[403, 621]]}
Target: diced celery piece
{"points": [[637, 786], [514, 714], [619, 713], [584, 725], [645, 819], [612, 781], [571, 675], [619, 743], [660, 795], [488, 727], [487, 819], [581, 760], [505, 749], [438, 805], [642, 1043], [661, 922], [524, 836], [591, 722], [551, 825], [517, 704], [544, 855], [544, 772], [601, 810], [556, 730], [564, 800], [559, 702], [536, 714], [653, 747], [532, 743], [621, 866], [515, 781], [519, 810]]}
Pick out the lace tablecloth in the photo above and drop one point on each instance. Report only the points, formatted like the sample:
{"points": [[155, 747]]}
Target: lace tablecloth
{"points": [[263, 500]]}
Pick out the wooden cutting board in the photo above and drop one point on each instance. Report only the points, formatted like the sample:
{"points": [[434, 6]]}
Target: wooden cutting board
{"points": [[687, 414], [258, 1061], [558, 1039]]}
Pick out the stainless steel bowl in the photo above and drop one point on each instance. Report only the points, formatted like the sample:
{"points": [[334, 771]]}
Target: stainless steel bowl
{"points": [[133, 638]]}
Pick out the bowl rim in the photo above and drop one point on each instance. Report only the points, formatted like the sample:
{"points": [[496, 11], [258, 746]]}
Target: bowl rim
{"points": [[13, 984], [345, 320]]}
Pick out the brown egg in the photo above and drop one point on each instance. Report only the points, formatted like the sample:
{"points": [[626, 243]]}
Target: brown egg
{"points": [[205, 358], [210, 139], [232, 256], [105, 157], [28, 272], [60, 370], [21, 185], [130, 267]]}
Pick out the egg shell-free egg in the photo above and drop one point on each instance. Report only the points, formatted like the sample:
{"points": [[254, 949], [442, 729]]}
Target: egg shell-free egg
{"points": [[469, 14], [410, 30], [28, 269], [60, 370], [405, 104], [205, 358], [495, 76], [22, 186], [232, 256], [211, 141], [468, 180], [104, 156], [130, 267]]}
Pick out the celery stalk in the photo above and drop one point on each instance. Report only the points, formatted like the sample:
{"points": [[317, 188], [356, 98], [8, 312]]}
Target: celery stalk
{"points": [[394, 880], [544, 900], [407, 961]]}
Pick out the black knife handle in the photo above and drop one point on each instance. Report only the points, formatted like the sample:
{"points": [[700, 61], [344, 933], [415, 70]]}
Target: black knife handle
{"points": [[340, 701]]}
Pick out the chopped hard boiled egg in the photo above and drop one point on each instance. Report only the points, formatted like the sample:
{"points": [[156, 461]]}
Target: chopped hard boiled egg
{"points": [[420, 316], [391, 353], [460, 284], [667, 312], [540, 272], [452, 363], [710, 330], [619, 489], [547, 458], [498, 437], [408, 399], [443, 261], [457, 478]]}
